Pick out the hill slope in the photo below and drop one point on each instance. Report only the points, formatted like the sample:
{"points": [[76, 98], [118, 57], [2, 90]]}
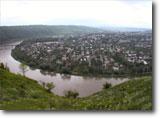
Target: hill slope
{"points": [[21, 93], [11, 33]]}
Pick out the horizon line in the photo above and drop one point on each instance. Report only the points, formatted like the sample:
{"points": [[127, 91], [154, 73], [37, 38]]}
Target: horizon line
{"points": [[100, 26]]}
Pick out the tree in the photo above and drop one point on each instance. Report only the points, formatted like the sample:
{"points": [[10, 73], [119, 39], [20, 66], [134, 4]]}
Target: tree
{"points": [[43, 84], [107, 85], [71, 94], [2, 66], [50, 86], [23, 68], [5, 67]]}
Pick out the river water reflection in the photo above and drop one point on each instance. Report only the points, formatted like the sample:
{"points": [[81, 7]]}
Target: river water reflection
{"points": [[85, 86]]}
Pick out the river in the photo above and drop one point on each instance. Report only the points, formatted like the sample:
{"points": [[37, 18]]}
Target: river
{"points": [[85, 86]]}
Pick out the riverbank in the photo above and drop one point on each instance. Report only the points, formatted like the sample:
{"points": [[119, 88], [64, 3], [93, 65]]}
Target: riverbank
{"points": [[27, 94], [85, 86], [92, 75]]}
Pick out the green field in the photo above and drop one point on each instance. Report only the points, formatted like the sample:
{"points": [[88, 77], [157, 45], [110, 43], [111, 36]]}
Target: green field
{"points": [[21, 93]]}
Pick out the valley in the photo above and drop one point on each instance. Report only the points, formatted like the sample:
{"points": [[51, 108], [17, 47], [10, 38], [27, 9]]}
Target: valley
{"points": [[117, 54]]}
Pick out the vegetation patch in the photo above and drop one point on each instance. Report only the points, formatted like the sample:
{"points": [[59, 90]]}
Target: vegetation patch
{"points": [[71, 94], [21, 93], [107, 85]]}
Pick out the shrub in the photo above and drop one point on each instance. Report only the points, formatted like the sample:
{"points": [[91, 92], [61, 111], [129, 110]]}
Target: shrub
{"points": [[43, 84], [22, 90], [5, 67], [107, 85], [71, 94], [23, 68], [2, 66], [50, 86]]}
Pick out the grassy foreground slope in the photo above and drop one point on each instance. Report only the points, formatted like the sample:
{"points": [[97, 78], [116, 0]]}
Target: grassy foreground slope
{"points": [[21, 93]]}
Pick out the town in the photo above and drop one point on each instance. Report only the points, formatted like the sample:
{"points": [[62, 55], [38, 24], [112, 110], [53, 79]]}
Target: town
{"points": [[102, 54]]}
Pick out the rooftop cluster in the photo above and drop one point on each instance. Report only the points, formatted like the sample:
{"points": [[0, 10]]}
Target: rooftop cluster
{"points": [[108, 53]]}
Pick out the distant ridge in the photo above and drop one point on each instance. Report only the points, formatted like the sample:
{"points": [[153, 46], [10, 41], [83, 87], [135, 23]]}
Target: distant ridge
{"points": [[15, 33], [8, 33], [125, 29]]}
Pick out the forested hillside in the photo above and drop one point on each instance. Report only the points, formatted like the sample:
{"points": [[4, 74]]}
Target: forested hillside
{"points": [[13, 33]]}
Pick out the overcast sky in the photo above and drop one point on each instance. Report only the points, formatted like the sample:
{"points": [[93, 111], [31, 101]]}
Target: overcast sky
{"points": [[91, 13]]}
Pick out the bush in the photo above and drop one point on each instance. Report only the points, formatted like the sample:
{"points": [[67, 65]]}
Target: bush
{"points": [[71, 94], [66, 70], [50, 86], [107, 85], [2, 66], [5, 67]]}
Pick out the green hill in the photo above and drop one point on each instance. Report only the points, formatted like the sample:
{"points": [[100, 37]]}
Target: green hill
{"points": [[14, 33], [21, 93]]}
